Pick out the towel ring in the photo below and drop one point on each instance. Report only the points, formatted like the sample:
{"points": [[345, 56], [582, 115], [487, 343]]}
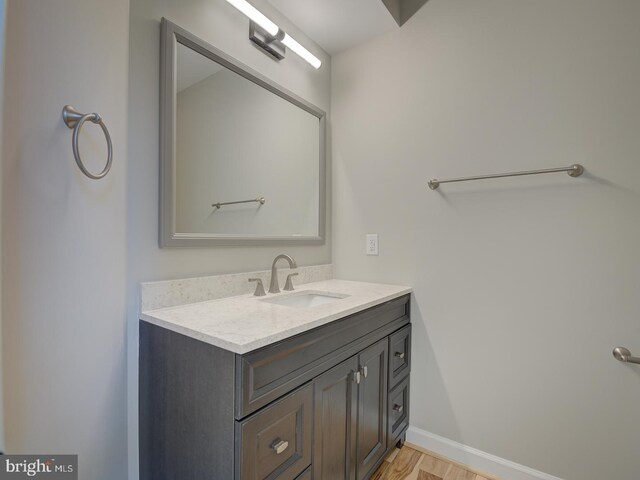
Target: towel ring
{"points": [[74, 119]]}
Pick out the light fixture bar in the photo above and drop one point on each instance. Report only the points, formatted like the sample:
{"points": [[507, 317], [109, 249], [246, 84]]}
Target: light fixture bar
{"points": [[314, 61], [256, 15], [270, 45]]}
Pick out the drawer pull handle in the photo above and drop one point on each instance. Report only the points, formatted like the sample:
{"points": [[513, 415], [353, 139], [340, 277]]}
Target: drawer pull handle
{"points": [[400, 355], [280, 446], [398, 408]]}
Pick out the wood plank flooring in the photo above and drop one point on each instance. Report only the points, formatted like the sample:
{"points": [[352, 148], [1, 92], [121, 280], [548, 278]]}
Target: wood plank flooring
{"points": [[408, 463]]}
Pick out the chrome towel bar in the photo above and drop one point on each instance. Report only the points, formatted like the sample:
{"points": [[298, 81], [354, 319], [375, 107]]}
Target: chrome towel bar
{"points": [[624, 355], [74, 120], [259, 200], [574, 170]]}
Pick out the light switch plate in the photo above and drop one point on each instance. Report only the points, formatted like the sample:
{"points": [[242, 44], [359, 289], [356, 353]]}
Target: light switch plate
{"points": [[372, 244]]}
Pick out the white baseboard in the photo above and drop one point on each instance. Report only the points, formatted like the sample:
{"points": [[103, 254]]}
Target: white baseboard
{"points": [[474, 458]]}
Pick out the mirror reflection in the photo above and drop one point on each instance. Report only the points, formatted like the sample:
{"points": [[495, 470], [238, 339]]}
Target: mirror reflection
{"points": [[236, 141]]}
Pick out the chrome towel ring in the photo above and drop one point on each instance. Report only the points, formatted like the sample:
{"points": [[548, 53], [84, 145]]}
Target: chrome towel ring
{"points": [[624, 355], [74, 119]]}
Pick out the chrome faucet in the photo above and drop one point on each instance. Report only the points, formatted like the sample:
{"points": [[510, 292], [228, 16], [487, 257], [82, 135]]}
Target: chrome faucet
{"points": [[259, 292], [274, 287]]}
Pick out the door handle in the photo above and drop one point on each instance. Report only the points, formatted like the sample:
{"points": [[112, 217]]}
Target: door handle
{"points": [[356, 376], [400, 355], [624, 355]]}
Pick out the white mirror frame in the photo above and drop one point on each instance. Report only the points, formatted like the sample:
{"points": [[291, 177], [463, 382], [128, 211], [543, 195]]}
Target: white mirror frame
{"points": [[171, 35]]}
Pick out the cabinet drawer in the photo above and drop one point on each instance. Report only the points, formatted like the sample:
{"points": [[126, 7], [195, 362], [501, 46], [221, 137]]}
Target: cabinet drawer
{"points": [[398, 411], [275, 443], [267, 374], [399, 355], [306, 475]]}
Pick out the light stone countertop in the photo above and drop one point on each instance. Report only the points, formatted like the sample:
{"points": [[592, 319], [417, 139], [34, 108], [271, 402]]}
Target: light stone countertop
{"points": [[244, 323]]}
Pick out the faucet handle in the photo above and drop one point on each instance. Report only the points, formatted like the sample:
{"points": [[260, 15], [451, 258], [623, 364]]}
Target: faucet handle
{"points": [[289, 284], [259, 287]]}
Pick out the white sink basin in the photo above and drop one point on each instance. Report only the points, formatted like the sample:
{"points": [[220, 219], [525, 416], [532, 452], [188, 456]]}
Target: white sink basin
{"points": [[306, 299]]}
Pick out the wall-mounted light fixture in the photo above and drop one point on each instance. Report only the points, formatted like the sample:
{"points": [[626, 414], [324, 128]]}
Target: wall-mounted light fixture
{"points": [[271, 38]]}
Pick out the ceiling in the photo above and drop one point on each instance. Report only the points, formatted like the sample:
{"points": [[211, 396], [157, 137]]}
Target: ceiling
{"points": [[337, 25], [193, 67]]}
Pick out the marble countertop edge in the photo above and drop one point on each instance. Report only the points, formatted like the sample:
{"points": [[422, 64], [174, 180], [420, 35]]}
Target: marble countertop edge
{"points": [[217, 322]]}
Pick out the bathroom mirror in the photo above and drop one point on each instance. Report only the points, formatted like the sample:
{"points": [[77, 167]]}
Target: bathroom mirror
{"points": [[242, 159]]}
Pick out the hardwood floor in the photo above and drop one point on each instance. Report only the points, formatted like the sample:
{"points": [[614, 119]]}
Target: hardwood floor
{"points": [[408, 463]]}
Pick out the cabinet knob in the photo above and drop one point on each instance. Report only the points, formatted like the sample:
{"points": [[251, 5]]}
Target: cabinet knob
{"points": [[398, 408], [280, 446], [356, 376], [365, 371], [399, 355]]}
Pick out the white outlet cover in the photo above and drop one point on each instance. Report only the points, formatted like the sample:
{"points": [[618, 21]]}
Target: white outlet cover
{"points": [[371, 247]]}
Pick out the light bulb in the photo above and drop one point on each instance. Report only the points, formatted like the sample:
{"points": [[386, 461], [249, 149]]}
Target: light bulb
{"points": [[300, 50], [254, 14]]}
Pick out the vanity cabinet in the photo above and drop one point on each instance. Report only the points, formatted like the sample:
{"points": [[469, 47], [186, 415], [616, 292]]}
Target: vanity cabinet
{"points": [[276, 441], [350, 415], [325, 404], [372, 408], [336, 406]]}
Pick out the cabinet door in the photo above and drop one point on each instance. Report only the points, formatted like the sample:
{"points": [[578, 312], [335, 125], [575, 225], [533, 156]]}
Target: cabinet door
{"points": [[372, 407], [336, 406]]}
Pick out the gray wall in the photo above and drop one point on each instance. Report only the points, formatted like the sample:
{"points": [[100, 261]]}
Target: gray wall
{"points": [[236, 140], [227, 29], [522, 286], [64, 235]]}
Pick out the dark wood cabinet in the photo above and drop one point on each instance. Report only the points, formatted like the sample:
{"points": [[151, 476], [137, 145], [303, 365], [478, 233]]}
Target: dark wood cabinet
{"points": [[306, 475], [399, 355], [351, 415], [372, 408], [336, 404], [398, 410], [276, 441], [327, 404]]}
